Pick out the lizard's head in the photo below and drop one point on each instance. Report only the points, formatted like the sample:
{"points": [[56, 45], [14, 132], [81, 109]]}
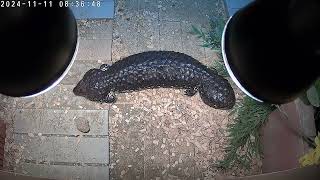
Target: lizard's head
{"points": [[92, 86]]}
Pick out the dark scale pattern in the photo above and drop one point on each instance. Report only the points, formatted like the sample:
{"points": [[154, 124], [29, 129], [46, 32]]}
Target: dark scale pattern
{"points": [[156, 69]]}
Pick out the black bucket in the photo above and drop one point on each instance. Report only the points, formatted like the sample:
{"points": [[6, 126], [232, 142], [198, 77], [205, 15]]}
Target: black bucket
{"points": [[37, 48], [272, 48]]}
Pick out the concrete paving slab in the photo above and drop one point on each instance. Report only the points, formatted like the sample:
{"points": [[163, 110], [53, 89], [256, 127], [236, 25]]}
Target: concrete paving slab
{"points": [[209, 9], [32, 102], [175, 10], [94, 49], [6, 102], [182, 166], [125, 37], [170, 36], [191, 44], [36, 170], [93, 150], [157, 154], [95, 29], [62, 97], [149, 6], [79, 68], [127, 159], [59, 121], [149, 28], [126, 117], [64, 172], [126, 6], [34, 147], [62, 149], [211, 56]]}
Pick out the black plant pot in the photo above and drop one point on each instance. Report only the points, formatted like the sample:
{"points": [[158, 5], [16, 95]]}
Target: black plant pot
{"points": [[37, 49], [272, 48]]}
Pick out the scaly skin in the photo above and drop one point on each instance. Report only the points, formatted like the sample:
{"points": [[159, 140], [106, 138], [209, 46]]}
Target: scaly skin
{"points": [[156, 69]]}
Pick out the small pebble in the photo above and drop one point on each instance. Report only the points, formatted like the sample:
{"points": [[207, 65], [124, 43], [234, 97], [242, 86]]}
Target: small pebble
{"points": [[82, 124]]}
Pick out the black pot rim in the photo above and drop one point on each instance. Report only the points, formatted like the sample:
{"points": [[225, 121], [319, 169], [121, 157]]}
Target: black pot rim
{"points": [[56, 82], [51, 85], [226, 63]]}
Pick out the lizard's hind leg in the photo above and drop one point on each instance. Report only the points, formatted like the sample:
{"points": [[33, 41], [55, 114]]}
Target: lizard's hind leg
{"points": [[191, 91], [110, 98]]}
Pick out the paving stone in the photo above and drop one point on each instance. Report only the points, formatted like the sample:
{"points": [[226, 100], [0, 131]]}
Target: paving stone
{"points": [[199, 173], [149, 35], [125, 37], [59, 121], [63, 172], [211, 56], [191, 44], [126, 117], [149, 6], [31, 102], [175, 10], [6, 102], [127, 157], [81, 149], [62, 97], [185, 146], [182, 166], [127, 6], [127, 98], [126, 122], [94, 49], [170, 36], [216, 10], [35, 170], [79, 68], [34, 148], [157, 154], [95, 29], [62, 149]]}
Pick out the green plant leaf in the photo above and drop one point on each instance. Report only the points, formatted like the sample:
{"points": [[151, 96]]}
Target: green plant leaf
{"points": [[244, 143], [195, 30], [205, 45], [317, 86], [304, 98], [313, 96]]}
